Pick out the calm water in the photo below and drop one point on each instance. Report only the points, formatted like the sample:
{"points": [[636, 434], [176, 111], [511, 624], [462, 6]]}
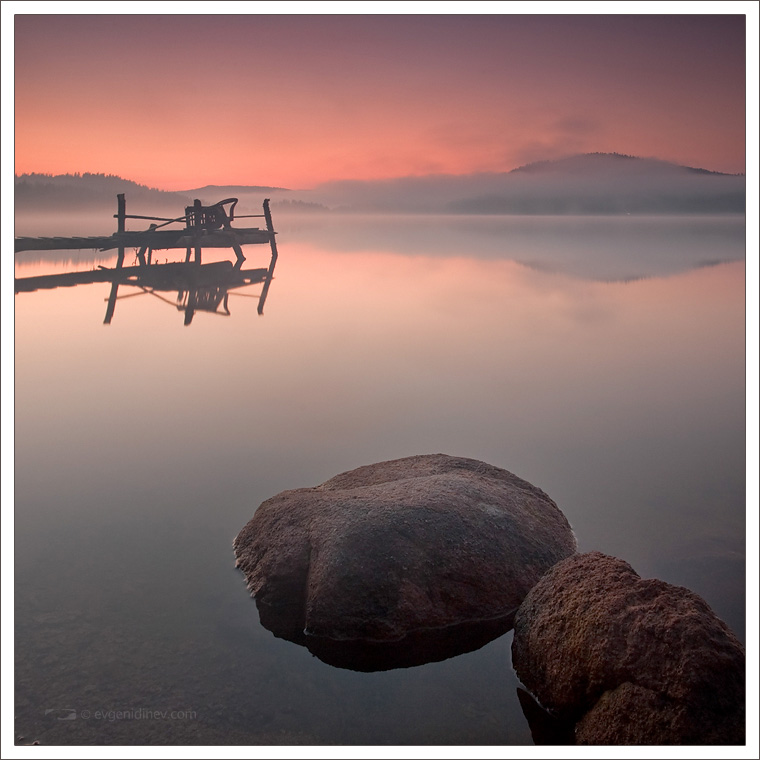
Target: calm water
{"points": [[600, 359]]}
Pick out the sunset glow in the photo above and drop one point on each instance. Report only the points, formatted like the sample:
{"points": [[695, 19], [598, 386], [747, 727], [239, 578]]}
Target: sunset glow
{"points": [[180, 101]]}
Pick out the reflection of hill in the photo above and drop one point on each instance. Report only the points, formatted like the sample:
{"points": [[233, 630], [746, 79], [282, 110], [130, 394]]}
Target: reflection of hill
{"points": [[609, 248]]}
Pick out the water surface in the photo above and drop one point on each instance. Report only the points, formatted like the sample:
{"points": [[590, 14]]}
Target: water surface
{"points": [[600, 359]]}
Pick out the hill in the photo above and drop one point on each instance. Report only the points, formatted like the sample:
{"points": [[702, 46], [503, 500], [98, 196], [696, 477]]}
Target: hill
{"points": [[590, 163], [250, 197], [235, 190], [591, 183], [48, 193], [69, 192], [596, 183]]}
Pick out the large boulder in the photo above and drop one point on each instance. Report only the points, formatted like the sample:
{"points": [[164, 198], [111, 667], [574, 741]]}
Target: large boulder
{"points": [[401, 562], [628, 660]]}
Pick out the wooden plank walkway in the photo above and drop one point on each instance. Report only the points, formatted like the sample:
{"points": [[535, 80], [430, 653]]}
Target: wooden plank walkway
{"points": [[155, 239]]}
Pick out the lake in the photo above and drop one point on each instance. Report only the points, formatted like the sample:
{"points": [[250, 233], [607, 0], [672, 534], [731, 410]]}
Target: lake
{"points": [[601, 359]]}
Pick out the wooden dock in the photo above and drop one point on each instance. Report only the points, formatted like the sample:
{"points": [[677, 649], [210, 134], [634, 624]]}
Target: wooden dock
{"points": [[200, 287], [153, 239]]}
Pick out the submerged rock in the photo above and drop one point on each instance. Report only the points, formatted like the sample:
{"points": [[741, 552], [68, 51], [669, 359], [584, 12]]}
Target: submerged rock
{"points": [[628, 660], [401, 562]]}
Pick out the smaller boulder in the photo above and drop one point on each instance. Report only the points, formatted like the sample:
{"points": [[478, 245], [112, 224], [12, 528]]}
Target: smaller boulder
{"points": [[629, 660]]}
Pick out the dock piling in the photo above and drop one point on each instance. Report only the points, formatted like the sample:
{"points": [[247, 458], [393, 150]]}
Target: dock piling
{"points": [[273, 261], [121, 213]]}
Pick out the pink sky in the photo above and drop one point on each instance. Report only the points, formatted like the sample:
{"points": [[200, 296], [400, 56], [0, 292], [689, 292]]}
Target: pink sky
{"points": [[179, 101]]}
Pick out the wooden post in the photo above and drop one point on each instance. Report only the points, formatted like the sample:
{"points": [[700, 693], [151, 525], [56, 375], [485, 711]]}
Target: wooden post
{"points": [[121, 212], [198, 217], [270, 229], [238, 251], [111, 302], [273, 261]]}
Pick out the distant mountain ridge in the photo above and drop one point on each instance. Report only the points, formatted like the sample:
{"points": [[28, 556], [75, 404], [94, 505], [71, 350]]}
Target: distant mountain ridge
{"points": [[69, 192], [590, 183], [588, 160], [233, 189]]}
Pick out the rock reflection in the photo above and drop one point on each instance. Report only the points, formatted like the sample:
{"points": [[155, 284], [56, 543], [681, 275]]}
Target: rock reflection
{"points": [[416, 648], [545, 728]]}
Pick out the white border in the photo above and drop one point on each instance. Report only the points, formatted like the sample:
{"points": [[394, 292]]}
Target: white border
{"points": [[750, 9]]}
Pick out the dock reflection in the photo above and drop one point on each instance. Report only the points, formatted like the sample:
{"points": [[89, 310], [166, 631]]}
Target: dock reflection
{"points": [[198, 287]]}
